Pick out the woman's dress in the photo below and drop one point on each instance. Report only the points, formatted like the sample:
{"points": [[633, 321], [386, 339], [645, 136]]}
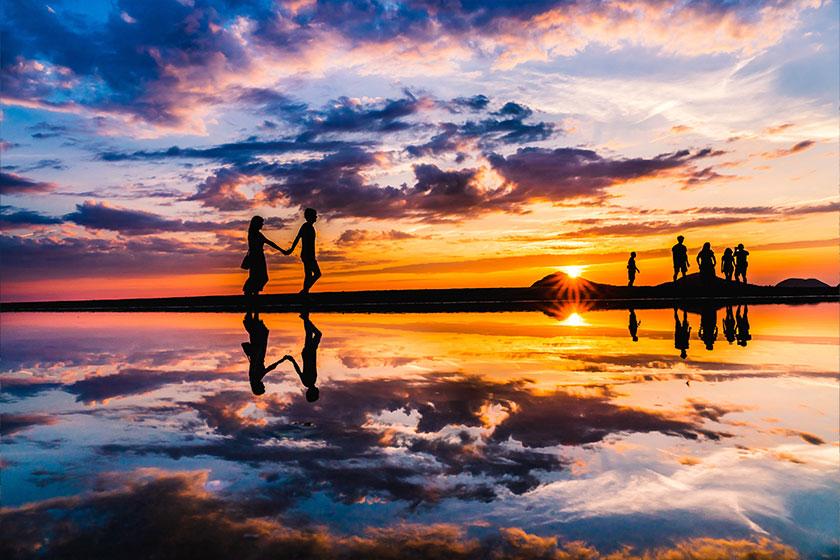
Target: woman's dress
{"points": [[258, 271]]}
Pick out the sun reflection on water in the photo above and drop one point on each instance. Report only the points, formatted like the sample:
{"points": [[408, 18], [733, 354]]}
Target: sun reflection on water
{"points": [[574, 320]]}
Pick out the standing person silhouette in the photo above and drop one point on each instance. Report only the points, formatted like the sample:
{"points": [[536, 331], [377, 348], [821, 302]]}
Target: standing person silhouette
{"points": [[680, 254], [682, 333], [708, 327], [729, 325], [727, 263], [306, 235], [743, 326], [631, 269], [309, 374], [633, 326], [257, 270], [741, 262], [706, 261], [255, 349]]}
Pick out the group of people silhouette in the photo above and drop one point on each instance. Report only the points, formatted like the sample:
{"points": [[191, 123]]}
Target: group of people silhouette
{"points": [[736, 327], [733, 262], [254, 261]]}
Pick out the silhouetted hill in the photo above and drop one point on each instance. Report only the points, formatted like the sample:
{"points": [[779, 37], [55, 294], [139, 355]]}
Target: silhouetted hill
{"points": [[549, 293], [802, 283], [561, 286]]}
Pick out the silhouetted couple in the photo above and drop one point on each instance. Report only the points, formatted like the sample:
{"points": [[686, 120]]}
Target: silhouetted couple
{"points": [[255, 349], [735, 262], [255, 258]]}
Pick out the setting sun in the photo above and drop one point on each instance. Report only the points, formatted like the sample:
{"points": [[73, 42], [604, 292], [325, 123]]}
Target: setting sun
{"points": [[574, 271]]}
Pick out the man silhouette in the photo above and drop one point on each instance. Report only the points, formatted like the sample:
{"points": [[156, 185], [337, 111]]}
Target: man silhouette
{"points": [[633, 325], [632, 269], [741, 262], [682, 333], [309, 374], [306, 235], [680, 255]]}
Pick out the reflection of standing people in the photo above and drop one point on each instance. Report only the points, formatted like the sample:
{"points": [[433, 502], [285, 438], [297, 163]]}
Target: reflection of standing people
{"points": [[743, 328], [309, 373], [680, 254], [633, 325], [631, 268], [729, 325], [255, 259], [727, 263], [707, 261], [681, 333], [306, 235], [741, 262], [255, 349], [708, 327]]}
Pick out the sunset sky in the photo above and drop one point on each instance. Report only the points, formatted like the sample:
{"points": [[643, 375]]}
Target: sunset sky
{"points": [[444, 144]]}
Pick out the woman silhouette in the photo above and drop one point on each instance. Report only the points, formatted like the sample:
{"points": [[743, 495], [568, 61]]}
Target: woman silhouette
{"points": [[727, 263], [257, 270], [707, 261]]}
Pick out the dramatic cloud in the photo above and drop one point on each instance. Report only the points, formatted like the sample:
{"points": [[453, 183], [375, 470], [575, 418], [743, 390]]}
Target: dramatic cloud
{"points": [[11, 424], [338, 427], [15, 184], [173, 512], [221, 191], [565, 173], [164, 64], [240, 152], [350, 115], [782, 152], [101, 215], [358, 236], [717, 216], [14, 218]]}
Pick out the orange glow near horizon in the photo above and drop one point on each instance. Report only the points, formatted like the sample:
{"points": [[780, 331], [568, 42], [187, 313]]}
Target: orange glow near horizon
{"points": [[766, 268]]}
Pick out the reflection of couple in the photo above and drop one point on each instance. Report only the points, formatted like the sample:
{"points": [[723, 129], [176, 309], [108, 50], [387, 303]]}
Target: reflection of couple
{"points": [[255, 259], [255, 350]]}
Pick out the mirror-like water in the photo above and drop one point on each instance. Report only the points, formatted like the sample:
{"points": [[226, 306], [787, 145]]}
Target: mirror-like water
{"points": [[446, 434]]}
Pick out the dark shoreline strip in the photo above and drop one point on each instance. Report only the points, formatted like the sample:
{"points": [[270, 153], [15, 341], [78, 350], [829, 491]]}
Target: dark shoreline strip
{"points": [[413, 301]]}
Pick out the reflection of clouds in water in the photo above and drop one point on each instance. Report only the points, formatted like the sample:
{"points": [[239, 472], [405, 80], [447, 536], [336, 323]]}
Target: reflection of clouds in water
{"points": [[728, 487], [170, 513], [519, 416], [455, 448]]}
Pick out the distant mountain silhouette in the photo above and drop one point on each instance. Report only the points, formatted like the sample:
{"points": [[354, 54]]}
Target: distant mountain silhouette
{"points": [[802, 283], [561, 286], [554, 290]]}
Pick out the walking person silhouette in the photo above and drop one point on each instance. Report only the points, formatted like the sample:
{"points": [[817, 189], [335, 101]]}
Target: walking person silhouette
{"points": [[680, 255], [309, 374], [741, 262], [706, 261], [631, 269], [633, 326], [255, 258], [306, 235], [727, 263]]}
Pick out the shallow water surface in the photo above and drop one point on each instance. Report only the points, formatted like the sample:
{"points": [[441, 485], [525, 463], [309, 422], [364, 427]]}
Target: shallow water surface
{"points": [[453, 435]]}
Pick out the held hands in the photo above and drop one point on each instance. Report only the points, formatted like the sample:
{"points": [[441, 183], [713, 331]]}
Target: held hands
{"points": [[286, 252]]}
